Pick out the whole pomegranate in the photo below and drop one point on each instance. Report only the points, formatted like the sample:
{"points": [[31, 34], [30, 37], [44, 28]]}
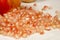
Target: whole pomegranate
{"points": [[6, 5]]}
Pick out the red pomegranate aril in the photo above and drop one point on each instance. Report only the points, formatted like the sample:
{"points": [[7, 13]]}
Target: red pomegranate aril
{"points": [[23, 26]]}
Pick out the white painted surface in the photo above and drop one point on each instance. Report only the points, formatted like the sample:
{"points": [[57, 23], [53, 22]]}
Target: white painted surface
{"points": [[51, 35]]}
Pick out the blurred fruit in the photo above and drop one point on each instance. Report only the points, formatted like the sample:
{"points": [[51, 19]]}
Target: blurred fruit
{"points": [[28, 1], [6, 5]]}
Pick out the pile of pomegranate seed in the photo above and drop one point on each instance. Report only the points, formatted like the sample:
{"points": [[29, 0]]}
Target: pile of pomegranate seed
{"points": [[23, 22]]}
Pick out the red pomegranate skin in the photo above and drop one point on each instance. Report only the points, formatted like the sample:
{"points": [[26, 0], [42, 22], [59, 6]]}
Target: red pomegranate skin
{"points": [[4, 6]]}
